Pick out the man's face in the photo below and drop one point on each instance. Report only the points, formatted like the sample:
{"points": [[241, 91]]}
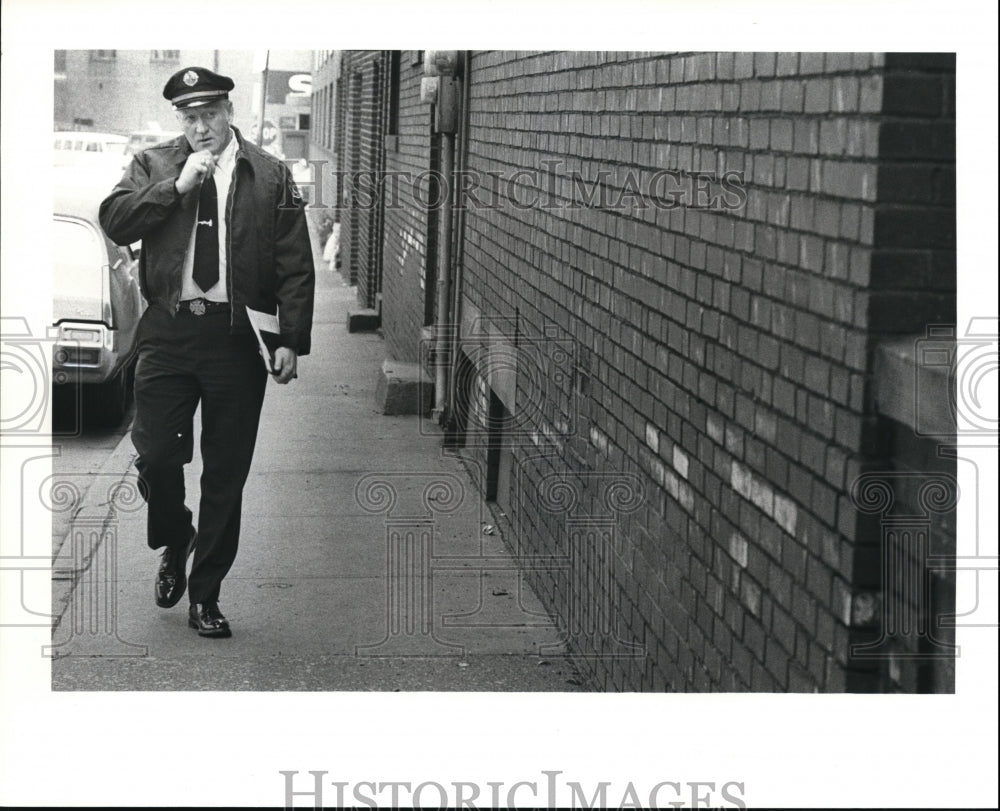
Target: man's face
{"points": [[207, 127]]}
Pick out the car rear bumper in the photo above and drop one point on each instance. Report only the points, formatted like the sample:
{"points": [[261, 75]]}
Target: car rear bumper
{"points": [[85, 352]]}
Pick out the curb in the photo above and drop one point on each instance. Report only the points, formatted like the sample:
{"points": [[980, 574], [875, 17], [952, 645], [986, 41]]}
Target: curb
{"points": [[96, 508]]}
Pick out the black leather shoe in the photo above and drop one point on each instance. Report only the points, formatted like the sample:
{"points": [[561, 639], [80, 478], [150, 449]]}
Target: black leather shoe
{"points": [[171, 577], [208, 620]]}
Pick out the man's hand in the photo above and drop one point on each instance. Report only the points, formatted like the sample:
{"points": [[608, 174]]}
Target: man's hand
{"points": [[196, 168], [285, 361]]}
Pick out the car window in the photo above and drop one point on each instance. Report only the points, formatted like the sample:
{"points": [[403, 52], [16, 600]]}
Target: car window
{"points": [[115, 147], [77, 255], [93, 146]]}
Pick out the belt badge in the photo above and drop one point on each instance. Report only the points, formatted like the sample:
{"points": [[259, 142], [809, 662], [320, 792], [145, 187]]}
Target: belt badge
{"points": [[197, 307]]}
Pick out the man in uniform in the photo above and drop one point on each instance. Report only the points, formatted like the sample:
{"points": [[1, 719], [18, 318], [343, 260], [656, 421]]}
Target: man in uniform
{"points": [[223, 228]]}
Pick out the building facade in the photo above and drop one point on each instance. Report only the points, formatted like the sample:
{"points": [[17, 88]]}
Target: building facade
{"points": [[287, 103], [673, 305], [122, 91]]}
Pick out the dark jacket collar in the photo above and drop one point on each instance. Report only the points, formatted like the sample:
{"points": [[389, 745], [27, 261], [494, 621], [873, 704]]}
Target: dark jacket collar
{"points": [[241, 148]]}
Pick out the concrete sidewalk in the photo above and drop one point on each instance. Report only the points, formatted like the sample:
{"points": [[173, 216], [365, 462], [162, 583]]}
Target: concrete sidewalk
{"points": [[363, 563]]}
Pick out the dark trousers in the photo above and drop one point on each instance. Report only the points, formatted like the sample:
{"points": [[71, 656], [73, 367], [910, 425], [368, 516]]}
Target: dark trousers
{"points": [[185, 360]]}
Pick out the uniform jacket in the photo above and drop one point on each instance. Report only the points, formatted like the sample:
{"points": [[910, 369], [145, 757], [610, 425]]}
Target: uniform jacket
{"points": [[270, 264]]}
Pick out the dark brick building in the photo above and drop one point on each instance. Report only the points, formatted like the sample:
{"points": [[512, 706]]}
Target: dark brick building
{"points": [[676, 293]]}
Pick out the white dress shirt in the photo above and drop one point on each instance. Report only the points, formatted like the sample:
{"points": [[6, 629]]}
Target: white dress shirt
{"points": [[223, 178]]}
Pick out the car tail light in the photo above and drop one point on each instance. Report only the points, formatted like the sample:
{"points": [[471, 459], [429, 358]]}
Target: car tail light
{"points": [[76, 356]]}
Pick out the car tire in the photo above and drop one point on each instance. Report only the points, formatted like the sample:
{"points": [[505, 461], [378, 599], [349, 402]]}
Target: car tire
{"points": [[106, 403], [67, 409]]}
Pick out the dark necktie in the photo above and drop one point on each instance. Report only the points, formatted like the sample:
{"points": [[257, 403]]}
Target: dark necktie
{"points": [[206, 241]]}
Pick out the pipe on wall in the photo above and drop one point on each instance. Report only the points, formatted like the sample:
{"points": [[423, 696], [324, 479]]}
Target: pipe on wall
{"points": [[443, 325]]}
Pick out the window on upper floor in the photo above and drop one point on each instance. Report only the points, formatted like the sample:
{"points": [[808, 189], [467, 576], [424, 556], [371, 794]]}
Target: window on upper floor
{"points": [[394, 58]]}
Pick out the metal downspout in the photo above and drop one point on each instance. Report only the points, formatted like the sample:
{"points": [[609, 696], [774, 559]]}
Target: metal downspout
{"points": [[444, 326], [459, 232]]}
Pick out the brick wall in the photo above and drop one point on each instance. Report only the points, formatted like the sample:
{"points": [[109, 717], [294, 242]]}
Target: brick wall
{"points": [[408, 255], [322, 150], [388, 233], [672, 402], [911, 646], [911, 286], [722, 354], [359, 139], [913, 267]]}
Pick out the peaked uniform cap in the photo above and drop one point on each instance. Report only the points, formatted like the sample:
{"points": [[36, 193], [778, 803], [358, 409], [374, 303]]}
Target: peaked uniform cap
{"points": [[195, 86]]}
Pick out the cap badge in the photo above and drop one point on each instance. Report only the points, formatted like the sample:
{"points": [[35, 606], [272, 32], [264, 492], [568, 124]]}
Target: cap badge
{"points": [[190, 78]]}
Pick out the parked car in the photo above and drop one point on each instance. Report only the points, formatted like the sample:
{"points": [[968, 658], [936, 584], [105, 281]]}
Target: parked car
{"points": [[96, 300], [72, 148]]}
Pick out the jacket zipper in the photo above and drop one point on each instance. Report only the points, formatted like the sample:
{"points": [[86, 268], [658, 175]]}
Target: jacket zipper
{"points": [[229, 245]]}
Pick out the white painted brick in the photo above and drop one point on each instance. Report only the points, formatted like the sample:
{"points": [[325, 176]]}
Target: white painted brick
{"points": [[740, 480], [842, 594], [658, 471], [680, 462], [671, 483], [599, 439], [786, 514], [831, 547], [653, 437], [762, 495], [686, 497], [550, 434], [751, 596], [738, 549]]}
